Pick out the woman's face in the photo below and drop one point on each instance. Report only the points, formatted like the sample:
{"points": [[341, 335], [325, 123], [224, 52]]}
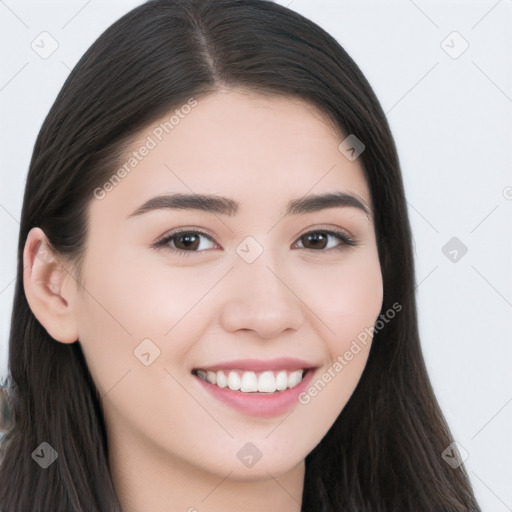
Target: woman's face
{"points": [[264, 290]]}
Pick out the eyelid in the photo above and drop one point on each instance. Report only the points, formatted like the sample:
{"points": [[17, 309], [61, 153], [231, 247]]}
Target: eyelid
{"points": [[164, 238], [343, 235], [329, 229]]}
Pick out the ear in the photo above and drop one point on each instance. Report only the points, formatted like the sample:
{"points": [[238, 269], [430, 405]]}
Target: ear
{"points": [[49, 287]]}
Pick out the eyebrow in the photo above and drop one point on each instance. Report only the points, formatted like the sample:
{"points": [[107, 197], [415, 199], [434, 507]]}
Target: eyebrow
{"points": [[225, 206]]}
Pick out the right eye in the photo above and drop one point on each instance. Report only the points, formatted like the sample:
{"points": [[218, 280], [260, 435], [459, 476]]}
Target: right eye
{"points": [[182, 242]]}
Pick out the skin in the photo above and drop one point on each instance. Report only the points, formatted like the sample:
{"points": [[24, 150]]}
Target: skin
{"points": [[172, 446]]}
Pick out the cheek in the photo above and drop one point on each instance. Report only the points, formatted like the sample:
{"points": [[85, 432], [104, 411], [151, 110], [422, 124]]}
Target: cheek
{"points": [[355, 305], [127, 301], [138, 298], [346, 297], [347, 301]]}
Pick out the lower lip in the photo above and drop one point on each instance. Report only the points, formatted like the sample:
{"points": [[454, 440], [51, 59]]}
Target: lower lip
{"points": [[262, 405]]}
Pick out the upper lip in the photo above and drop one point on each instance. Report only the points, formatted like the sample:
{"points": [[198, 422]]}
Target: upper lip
{"points": [[280, 363]]}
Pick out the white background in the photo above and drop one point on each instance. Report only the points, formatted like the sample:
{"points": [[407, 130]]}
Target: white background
{"points": [[451, 119]]}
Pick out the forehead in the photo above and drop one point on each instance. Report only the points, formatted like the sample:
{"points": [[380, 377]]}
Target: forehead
{"points": [[241, 145]]}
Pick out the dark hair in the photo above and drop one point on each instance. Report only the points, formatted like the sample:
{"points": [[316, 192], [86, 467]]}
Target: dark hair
{"points": [[383, 453]]}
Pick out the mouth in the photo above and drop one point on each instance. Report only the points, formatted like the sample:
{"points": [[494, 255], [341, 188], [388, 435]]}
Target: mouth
{"points": [[252, 381], [263, 388]]}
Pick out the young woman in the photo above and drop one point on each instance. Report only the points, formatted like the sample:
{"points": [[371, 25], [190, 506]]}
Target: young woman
{"points": [[215, 306]]}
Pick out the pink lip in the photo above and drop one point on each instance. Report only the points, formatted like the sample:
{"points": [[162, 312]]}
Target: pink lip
{"points": [[260, 365], [262, 405]]}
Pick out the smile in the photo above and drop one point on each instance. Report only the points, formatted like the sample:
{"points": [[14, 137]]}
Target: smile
{"points": [[264, 388], [252, 381]]}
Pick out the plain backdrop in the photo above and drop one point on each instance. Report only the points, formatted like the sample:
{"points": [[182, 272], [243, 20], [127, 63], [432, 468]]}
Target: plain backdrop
{"points": [[442, 72]]}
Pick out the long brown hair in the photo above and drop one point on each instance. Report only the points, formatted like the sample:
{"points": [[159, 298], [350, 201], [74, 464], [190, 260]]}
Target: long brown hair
{"points": [[383, 453]]}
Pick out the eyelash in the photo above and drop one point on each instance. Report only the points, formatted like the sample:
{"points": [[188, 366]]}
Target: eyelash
{"points": [[164, 241]]}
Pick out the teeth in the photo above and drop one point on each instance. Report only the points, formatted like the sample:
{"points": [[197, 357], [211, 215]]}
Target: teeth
{"points": [[281, 380], [267, 382], [234, 381], [250, 382], [221, 379], [294, 378]]}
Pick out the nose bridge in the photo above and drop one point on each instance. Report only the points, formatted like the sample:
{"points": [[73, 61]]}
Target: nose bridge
{"points": [[262, 299]]}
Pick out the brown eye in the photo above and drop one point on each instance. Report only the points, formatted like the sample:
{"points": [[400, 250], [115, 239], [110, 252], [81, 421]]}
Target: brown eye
{"points": [[183, 242], [186, 241], [315, 240], [319, 240]]}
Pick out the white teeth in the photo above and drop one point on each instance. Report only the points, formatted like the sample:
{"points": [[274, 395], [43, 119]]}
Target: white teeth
{"points": [[234, 381], [267, 382], [281, 380], [294, 378], [250, 382], [221, 379]]}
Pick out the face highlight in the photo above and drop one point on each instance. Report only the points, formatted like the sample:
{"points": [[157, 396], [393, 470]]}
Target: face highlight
{"points": [[224, 274]]}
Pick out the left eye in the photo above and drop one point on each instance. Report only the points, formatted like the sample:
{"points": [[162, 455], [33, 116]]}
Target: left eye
{"points": [[187, 242], [322, 235]]}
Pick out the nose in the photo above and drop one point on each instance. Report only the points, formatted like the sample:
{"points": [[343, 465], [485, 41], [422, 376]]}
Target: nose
{"points": [[261, 299]]}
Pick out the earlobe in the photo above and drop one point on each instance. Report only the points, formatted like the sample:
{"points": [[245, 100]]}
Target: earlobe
{"points": [[49, 288]]}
